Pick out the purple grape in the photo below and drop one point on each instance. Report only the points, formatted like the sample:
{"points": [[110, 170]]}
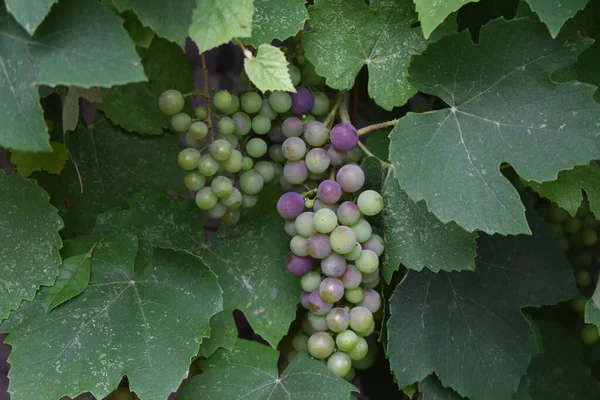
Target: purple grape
{"points": [[329, 191], [371, 300], [348, 213], [292, 127], [351, 178], [299, 265], [331, 290], [319, 204], [302, 101], [352, 277], [375, 244], [290, 205], [317, 305], [304, 299], [335, 157], [318, 246], [333, 265], [293, 149], [295, 172], [344, 136], [316, 134]]}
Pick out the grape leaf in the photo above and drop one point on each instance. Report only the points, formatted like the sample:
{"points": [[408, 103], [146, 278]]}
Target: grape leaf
{"points": [[587, 62], [566, 190], [70, 112], [269, 69], [65, 50], [223, 334], [135, 106], [168, 19], [140, 34], [276, 19], [116, 327], [346, 35], [555, 13], [54, 162], [468, 327], [432, 12], [29, 14], [432, 389], [113, 165], [503, 108], [474, 15], [215, 22], [249, 371], [592, 313], [249, 259], [29, 241]]}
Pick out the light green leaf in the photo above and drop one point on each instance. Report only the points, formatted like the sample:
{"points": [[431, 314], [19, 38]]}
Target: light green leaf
{"points": [[468, 327], [432, 389], [592, 312], [346, 35], [215, 22], [70, 112], [276, 19], [249, 259], [556, 12], [29, 241], [249, 371], [54, 162], [269, 69], [113, 165], [140, 34], [65, 50], [503, 108], [135, 106], [123, 323], [29, 14], [566, 190], [223, 334], [433, 12]]}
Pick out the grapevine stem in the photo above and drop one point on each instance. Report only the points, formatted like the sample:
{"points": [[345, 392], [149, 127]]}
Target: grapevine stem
{"points": [[91, 251], [343, 112], [208, 100], [369, 153], [331, 117], [247, 53], [311, 191], [374, 127]]}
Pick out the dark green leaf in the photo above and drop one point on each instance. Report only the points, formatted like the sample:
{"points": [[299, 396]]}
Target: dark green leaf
{"points": [[70, 114], [432, 12], [223, 334], [555, 13], [432, 389], [29, 14]]}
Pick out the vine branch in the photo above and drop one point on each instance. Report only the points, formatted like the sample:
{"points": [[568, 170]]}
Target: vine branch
{"points": [[374, 127], [208, 99], [331, 117]]}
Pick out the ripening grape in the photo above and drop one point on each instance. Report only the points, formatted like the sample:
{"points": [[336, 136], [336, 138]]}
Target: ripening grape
{"points": [[375, 244], [295, 172], [198, 130], [298, 265], [316, 134], [339, 363], [317, 160], [261, 125], [320, 104], [188, 159], [251, 102], [317, 304], [348, 213], [333, 265], [302, 101], [206, 199], [256, 147], [207, 165], [371, 300], [331, 290], [317, 322], [318, 246], [312, 280], [320, 345], [355, 295], [293, 149], [290, 205], [242, 122], [344, 137], [329, 191], [351, 178], [171, 102], [352, 277], [338, 319], [289, 228], [325, 220], [194, 180], [336, 158], [280, 102], [370, 202], [305, 225], [251, 182], [292, 127], [342, 240]]}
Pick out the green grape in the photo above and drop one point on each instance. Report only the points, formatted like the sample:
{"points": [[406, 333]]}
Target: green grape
{"points": [[307, 119], [280, 102], [276, 154], [320, 104], [223, 100], [251, 102], [300, 342], [310, 77], [320, 345], [311, 281], [267, 111], [368, 332], [572, 225], [235, 105], [191, 142], [220, 150], [247, 163], [188, 159], [171, 102], [370, 202], [266, 170], [194, 180], [198, 130], [583, 278], [181, 122], [206, 199], [355, 253], [361, 319], [589, 237], [218, 211], [231, 217], [369, 359], [355, 155], [339, 363], [226, 126], [298, 247], [232, 139], [221, 186], [261, 125], [557, 215], [295, 75], [325, 220], [309, 203], [355, 295], [234, 163], [347, 340], [248, 200], [290, 228], [251, 182], [242, 122], [256, 147], [363, 230], [301, 60], [342, 240], [589, 221], [557, 231], [207, 165], [304, 224], [578, 304], [589, 334], [360, 350], [201, 113], [368, 262], [234, 200]]}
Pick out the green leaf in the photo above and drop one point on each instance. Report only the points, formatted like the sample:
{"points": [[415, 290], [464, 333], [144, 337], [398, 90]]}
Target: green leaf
{"points": [[70, 112], [592, 312], [566, 190], [474, 15], [29, 14], [54, 162], [503, 108], [123, 323], [249, 259], [29, 241], [269, 69], [135, 106], [65, 50], [223, 334], [140, 34], [432, 12], [276, 19], [432, 389], [346, 35], [249, 371], [113, 165], [588, 61], [215, 22], [468, 327], [555, 13]]}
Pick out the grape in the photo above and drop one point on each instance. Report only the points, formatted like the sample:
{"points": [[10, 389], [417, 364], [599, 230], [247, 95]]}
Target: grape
{"points": [[589, 221], [370, 202], [361, 319], [267, 111], [589, 334], [194, 181], [343, 136], [329, 191], [256, 147], [261, 125], [309, 203], [351, 178], [348, 213], [317, 160], [276, 135], [207, 165], [217, 211], [234, 107], [318, 246], [247, 163], [370, 277], [319, 205], [248, 200], [315, 177], [342, 240], [251, 182], [347, 340], [363, 230], [226, 126], [223, 100], [231, 139], [293, 149], [234, 200], [325, 220], [295, 172], [234, 163], [289, 228], [336, 158], [311, 78], [295, 75], [188, 159], [354, 155], [299, 265], [276, 154], [578, 304], [266, 170], [206, 199], [302, 101], [181, 122], [352, 277], [190, 141], [312, 280], [320, 345], [367, 262], [368, 332], [355, 253], [251, 102], [316, 134], [292, 127], [355, 295], [589, 238], [171, 102], [317, 322], [290, 205], [371, 300], [220, 150], [320, 104], [300, 342], [331, 290], [338, 319], [375, 244], [221, 186], [333, 265], [572, 225], [557, 215], [198, 130], [339, 363], [298, 247], [306, 328], [242, 123], [583, 278], [280, 102], [360, 350], [201, 112], [317, 304], [305, 225]]}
